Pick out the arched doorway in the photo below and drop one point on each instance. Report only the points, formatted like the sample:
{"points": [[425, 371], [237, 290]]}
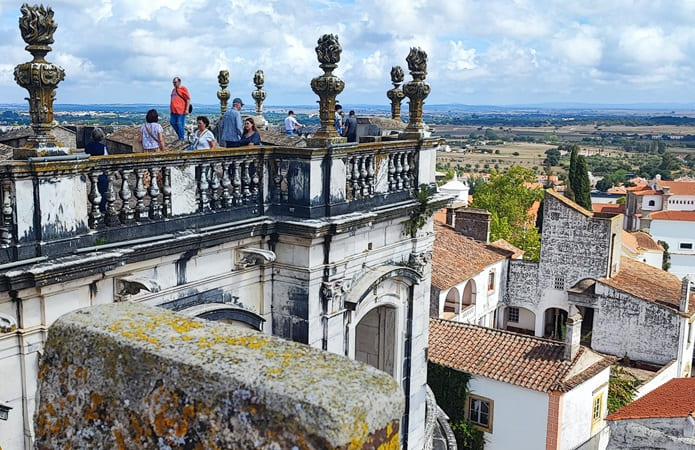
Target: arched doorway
{"points": [[554, 323], [375, 339]]}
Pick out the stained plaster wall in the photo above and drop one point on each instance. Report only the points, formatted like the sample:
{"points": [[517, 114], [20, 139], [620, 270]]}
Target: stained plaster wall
{"points": [[642, 330], [663, 433], [576, 423]]}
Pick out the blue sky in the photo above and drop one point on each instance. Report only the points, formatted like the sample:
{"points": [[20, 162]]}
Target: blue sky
{"points": [[500, 52]]}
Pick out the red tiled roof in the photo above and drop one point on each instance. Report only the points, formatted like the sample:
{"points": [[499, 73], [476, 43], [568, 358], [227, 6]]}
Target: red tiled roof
{"points": [[456, 258], [504, 245], [679, 187], [648, 283], [676, 398], [608, 208], [526, 361], [687, 216], [639, 240], [617, 190]]}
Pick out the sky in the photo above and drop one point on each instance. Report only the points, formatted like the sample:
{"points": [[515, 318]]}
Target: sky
{"points": [[488, 52]]}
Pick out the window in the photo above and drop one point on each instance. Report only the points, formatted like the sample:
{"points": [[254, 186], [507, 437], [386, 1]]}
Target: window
{"points": [[491, 281], [559, 282], [652, 203], [686, 245], [554, 215], [480, 412], [513, 314], [596, 409]]}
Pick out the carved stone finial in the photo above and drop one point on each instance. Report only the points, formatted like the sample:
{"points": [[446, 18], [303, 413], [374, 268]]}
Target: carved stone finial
{"points": [[416, 90], [223, 94], [396, 94], [41, 79], [327, 87], [259, 96]]}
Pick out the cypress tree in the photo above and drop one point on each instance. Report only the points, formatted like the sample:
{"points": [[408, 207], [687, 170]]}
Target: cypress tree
{"points": [[582, 190], [571, 178]]}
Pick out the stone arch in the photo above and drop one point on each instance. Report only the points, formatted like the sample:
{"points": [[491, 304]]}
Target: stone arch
{"points": [[554, 322], [469, 293], [220, 312], [452, 302]]}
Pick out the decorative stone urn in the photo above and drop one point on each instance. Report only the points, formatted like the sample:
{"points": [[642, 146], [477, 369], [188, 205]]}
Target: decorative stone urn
{"points": [[396, 94], [327, 87], [223, 94], [416, 90], [259, 96], [41, 79]]}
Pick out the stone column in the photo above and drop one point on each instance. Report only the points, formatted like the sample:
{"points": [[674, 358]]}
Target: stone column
{"points": [[396, 94], [223, 94], [416, 90], [40, 78], [327, 87], [259, 96]]}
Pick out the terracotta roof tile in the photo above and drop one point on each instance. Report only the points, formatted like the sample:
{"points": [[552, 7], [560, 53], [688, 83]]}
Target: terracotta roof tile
{"points": [[608, 208], [645, 241], [649, 283], [687, 216], [678, 187], [456, 258], [526, 361], [504, 245], [676, 398]]}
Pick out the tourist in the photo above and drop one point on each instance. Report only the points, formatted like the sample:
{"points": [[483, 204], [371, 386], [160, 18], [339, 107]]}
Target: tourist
{"points": [[151, 133], [231, 125], [291, 124], [202, 138], [350, 127], [97, 147], [179, 107], [250, 136], [338, 119]]}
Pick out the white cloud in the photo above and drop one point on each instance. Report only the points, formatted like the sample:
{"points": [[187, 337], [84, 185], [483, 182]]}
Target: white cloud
{"points": [[649, 45]]}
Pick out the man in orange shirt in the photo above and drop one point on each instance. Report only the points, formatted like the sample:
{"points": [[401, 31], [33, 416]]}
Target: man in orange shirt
{"points": [[180, 102]]}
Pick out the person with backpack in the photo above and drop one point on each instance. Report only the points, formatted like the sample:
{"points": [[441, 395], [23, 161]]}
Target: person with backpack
{"points": [[179, 107]]}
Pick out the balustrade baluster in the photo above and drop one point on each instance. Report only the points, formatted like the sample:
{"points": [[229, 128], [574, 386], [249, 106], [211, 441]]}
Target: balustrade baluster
{"points": [[7, 213], [140, 209], [236, 182], [226, 182], [110, 194], [203, 188], [277, 182], [348, 176], [127, 213], [406, 171], [255, 180], [392, 172], [155, 207], [398, 177], [412, 172], [94, 200], [356, 188], [166, 191], [363, 177], [370, 175], [246, 180], [215, 187]]}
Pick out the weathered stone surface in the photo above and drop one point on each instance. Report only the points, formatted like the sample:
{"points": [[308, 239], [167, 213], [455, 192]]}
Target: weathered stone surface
{"points": [[146, 378]]}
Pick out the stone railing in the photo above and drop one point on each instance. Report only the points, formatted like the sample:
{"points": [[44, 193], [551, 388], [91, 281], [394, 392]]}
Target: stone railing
{"points": [[467, 314], [51, 207], [143, 377]]}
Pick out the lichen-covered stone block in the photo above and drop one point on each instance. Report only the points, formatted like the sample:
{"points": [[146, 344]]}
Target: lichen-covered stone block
{"points": [[130, 376]]}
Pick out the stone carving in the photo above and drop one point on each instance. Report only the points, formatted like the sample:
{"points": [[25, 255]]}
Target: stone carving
{"points": [[327, 87], [223, 94], [259, 96], [132, 285], [416, 90], [418, 261], [39, 77], [332, 293], [249, 257], [396, 94], [7, 324]]}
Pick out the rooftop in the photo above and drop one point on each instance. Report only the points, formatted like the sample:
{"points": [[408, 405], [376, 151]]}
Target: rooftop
{"points": [[676, 398], [504, 245], [649, 283], [526, 361], [639, 241], [456, 258], [678, 187], [568, 202], [685, 216], [614, 208]]}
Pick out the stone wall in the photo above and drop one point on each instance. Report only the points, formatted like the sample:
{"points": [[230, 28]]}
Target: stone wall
{"points": [[522, 284], [666, 434], [143, 377]]}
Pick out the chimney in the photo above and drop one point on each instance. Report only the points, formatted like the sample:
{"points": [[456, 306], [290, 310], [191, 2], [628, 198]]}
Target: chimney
{"points": [[573, 334], [685, 293], [474, 223], [450, 216]]}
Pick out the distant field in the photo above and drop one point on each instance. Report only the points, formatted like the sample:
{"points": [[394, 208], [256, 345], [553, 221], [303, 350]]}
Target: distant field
{"points": [[529, 155]]}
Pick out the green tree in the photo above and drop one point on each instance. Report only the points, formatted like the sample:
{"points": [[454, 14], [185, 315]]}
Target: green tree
{"points": [[572, 172], [509, 199], [582, 187]]}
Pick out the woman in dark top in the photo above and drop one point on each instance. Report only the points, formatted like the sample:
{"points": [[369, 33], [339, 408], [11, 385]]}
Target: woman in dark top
{"points": [[96, 147], [250, 135]]}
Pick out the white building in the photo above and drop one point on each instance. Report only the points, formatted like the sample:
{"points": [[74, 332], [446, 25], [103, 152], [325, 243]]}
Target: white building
{"points": [[456, 188], [526, 393], [677, 229], [640, 246]]}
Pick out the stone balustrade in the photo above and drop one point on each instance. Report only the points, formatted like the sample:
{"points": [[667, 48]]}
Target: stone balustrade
{"points": [[143, 377], [51, 207]]}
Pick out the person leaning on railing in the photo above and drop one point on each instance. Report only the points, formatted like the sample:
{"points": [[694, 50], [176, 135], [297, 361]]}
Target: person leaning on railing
{"points": [[250, 135], [202, 138]]}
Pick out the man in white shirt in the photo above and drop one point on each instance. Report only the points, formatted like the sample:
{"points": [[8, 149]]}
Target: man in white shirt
{"points": [[291, 124]]}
